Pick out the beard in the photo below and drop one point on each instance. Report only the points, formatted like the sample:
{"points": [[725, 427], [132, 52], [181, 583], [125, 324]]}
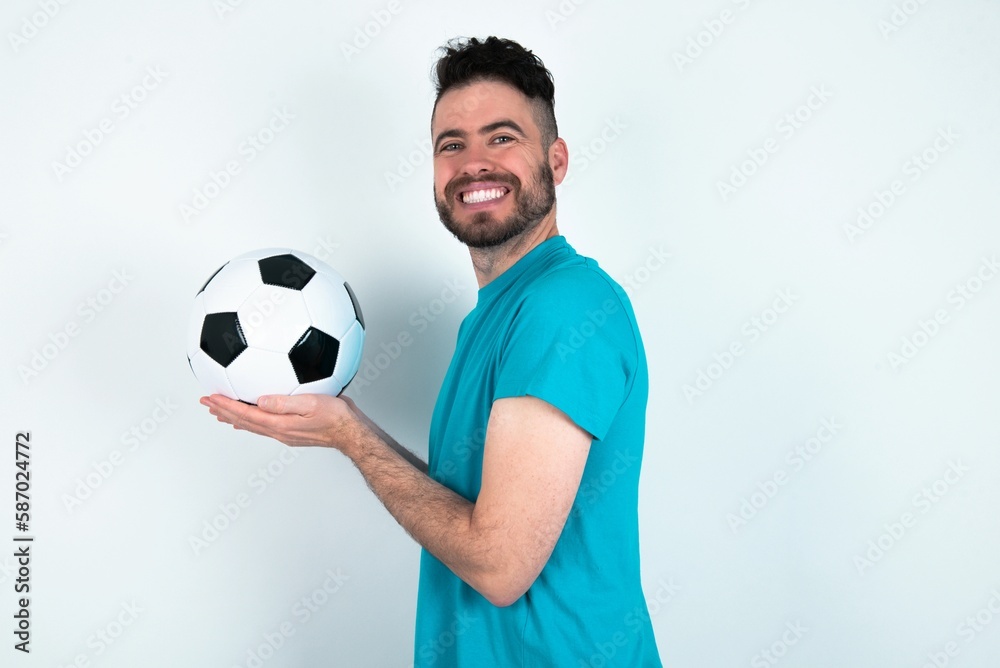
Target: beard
{"points": [[531, 205]]}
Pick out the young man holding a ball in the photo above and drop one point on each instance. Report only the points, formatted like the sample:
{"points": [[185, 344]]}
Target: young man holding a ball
{"points": [[527, 512]]}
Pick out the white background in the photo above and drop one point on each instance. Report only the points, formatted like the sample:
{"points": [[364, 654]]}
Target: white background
{"points": [[652, 137]]}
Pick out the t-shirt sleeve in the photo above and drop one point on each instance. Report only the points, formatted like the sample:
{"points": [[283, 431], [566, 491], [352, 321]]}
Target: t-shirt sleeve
{"points": [[571, 344]]}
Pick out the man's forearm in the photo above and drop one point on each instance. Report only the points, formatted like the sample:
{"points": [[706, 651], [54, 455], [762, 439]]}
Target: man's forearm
{"points": [[414, 461], [435, 516], [420, 464]]}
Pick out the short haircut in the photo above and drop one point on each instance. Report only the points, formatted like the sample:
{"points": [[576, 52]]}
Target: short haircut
{"points": [[469, 60]]}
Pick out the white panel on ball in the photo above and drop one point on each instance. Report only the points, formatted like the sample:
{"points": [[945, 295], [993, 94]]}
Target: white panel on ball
{"points": [[329, 305], [320, 266], [212, 376], [273, 318], [349, 355], [231, 286], [256, 372]]}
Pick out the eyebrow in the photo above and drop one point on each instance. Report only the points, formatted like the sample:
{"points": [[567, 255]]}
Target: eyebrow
{"points": [[486, 129]]}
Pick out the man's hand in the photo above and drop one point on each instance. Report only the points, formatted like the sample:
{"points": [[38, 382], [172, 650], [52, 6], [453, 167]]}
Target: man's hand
{"points": [[305, 419]]}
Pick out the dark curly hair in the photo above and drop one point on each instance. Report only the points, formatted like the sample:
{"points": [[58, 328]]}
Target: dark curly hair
{"points": [[469, 60]]}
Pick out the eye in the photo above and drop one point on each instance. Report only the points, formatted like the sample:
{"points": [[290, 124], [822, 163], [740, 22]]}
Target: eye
{"points": [[450, 146], [503, 139]]}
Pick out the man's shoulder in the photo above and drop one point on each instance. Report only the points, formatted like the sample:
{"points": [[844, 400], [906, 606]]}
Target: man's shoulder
{"points": [[577, 294], [574, 279]]}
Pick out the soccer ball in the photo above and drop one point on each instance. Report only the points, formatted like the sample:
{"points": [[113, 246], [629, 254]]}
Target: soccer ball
{"points": [[275, 321]]}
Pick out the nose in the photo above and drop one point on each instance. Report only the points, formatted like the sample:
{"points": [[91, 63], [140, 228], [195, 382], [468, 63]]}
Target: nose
{"points": [[477, 161]]}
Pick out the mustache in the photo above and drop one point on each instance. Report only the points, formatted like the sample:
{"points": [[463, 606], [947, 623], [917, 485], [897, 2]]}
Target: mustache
{"points": [[463, 182]]}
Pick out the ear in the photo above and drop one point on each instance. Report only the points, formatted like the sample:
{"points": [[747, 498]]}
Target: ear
{"points": [[559, 160]]}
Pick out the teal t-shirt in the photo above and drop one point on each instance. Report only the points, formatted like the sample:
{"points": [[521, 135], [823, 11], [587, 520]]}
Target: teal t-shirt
{"points": [[554, 326]]}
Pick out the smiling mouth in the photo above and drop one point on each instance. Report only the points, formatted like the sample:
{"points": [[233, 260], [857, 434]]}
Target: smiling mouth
{"points": [[480, 195]]}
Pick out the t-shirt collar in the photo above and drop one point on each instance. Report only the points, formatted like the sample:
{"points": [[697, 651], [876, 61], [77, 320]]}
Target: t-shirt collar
{"points": [[501, 282]]}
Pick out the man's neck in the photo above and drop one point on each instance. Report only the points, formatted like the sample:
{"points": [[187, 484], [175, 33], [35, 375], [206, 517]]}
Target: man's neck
{"points": [[489, 263]]}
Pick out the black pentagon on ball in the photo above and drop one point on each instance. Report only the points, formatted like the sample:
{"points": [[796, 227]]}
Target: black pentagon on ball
{"points": [[222, 337], [357, 306], [285, 271], [214, 274], [314, 356]]}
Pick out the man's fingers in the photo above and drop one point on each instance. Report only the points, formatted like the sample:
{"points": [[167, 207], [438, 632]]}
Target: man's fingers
{"points": [[241, 419], [238, 414]]}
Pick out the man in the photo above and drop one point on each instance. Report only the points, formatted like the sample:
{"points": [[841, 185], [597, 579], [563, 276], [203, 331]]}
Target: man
{"points": [[527, 512]]}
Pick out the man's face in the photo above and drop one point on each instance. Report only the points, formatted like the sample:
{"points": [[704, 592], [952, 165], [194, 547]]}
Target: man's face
{"points": [[492, 178]]}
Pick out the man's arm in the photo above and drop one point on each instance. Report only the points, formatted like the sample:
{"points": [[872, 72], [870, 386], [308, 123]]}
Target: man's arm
{"points": [[416, 461], [533, 460]]}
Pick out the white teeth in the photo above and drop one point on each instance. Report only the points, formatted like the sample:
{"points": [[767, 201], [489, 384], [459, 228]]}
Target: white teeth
{"points": [[476, 196]]}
